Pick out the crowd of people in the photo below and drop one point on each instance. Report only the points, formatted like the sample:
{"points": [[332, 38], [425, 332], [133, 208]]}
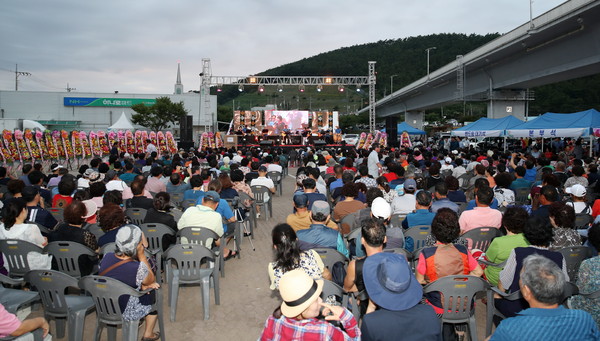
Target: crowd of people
{"points": [[539, 204], [377, 196]]}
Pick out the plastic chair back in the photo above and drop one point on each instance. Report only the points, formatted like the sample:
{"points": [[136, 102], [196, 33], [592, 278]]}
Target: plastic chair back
{"points": [[51, 286], [197, 235], [154, 233], [583, 221], [259, 192], [397, 219], [347, 223], [57, 213], [330, 288], [107, 248], [191, 261], [400, 251], [522, 195], [277, 180], [188, 203], [67, 256], [176, 198], [95, 229], [418, 234], [137, 215], [574, 255], [481, 237], [330, 257], [15, 252]]}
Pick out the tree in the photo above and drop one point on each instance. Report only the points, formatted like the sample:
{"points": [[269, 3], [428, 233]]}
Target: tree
{"points": [[159, 115]]}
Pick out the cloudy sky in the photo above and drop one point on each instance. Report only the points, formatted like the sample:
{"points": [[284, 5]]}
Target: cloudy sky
{"points": [[134, 46]]}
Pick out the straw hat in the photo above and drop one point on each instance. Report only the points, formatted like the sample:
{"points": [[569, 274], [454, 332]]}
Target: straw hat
{"points": [[298, 291]]}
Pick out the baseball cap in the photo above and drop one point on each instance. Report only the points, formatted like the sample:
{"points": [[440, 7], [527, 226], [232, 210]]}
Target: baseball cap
{"points": [[455, 152], [301, 200], [56, 167], [212, 196], [448, 160], [88, 172], [577, 190], [380, 208], [410, 184], [320, 206], [110, 175]]}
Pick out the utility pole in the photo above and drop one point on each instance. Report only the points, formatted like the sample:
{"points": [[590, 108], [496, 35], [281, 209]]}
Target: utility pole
{"points": [[428, 49], [69, 89], [392, 83], [17, 74]]}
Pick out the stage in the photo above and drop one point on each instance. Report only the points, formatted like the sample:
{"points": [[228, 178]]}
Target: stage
{"points": [[288, 147]]}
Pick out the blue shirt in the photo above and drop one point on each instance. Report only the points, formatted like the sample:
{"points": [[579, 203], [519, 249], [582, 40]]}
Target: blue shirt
{"points": [[337, 183], [319, 235], [443, 203], [192, 194], [471, 204], [312, 197], [530, 174], [548, 324], [223, 209], [419, 217]]}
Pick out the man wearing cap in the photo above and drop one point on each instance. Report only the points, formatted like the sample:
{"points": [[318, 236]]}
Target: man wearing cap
{"points": [[318, 234], [59, 171], [262, 180], [578, 202], [36, 213], [393, 288], [296, 318], [405, 204], [372, 239], [447, 164], [300, 220], [114, 182], [204, 215]]}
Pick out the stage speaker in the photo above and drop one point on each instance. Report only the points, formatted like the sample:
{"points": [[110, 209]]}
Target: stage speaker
{"points": [[186, 128], [319, 143], [266, 143], [186, 145], [391, 128], [296, 139]]}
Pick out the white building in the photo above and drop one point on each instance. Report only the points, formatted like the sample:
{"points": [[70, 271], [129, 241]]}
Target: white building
{"points": [[98, 111]]}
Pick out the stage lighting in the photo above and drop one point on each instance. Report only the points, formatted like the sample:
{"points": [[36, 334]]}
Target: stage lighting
{"points": [[241, 87], [261, 88], [280, 88], [219, 89], [328, 80], [358, 88], [340, 88], [319, 88], [252, 80], [301, 88]]}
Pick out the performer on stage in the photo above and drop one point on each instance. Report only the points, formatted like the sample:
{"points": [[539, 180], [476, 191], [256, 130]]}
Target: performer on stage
{"points": [[337, 136]]}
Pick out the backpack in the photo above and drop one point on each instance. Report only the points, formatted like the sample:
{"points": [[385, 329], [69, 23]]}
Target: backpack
{"points": [[338, 273]]}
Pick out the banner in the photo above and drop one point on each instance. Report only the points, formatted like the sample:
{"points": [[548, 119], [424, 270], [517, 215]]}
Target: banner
{"points": [[477, 133], [547, 133], [105, 102]]}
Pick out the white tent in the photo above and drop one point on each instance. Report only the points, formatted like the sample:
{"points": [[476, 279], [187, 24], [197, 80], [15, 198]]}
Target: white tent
{"points": [[29, 124], [122, 123]]}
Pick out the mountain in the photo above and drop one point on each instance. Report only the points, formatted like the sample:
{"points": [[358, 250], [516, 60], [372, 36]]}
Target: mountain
{"points": [[406, 60]]}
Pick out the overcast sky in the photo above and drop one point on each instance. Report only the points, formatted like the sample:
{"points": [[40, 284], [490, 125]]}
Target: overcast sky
{"points": [[134, 46]]}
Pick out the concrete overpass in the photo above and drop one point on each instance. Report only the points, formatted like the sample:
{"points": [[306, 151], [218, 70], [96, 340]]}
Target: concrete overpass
{"points": [[561, 44]]}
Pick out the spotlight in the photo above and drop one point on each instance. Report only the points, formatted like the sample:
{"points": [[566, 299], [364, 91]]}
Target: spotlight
{"points": [[328, 80], [219, 89], [241, 87], [319, 88], [358, 88], [301, 88], [280, 88], [252, 80], [340, 88], [261, 88]]}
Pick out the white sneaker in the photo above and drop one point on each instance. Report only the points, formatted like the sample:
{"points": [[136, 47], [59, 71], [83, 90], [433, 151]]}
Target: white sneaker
{"points": [[257, 215]]}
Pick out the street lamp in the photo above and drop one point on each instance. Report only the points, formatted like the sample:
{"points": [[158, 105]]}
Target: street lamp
{"points": [[392, 83], [427, 50]]}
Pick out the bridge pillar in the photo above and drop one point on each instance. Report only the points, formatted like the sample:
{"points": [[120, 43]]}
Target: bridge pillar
{"points": [[391, 128], [414, 118], [508, 102]]}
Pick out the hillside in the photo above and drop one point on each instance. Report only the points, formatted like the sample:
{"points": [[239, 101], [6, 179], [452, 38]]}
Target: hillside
{"points": [[406, 60]]}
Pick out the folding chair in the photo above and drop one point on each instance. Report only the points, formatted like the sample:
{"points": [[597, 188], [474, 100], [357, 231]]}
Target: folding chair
{"points": [[106, 292], [73, 309], [191, 264]]}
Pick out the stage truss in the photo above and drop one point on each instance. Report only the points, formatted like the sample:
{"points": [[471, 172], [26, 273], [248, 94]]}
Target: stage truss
{"points": [[209, 80]]}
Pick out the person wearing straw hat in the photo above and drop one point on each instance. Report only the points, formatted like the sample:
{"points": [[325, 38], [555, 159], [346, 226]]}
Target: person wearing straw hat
{"points": [[297, 317], [393, 288]]}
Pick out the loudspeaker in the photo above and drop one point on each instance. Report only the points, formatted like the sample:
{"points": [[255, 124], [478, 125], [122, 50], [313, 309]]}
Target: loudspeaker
{"points": [[266, 143], [295, 139], [391, 128], [186, 145], [319, 143], [186, 128]]}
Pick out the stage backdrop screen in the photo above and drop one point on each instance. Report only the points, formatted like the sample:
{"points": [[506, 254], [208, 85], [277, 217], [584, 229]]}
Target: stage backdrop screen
{"points": [[277, 120]]}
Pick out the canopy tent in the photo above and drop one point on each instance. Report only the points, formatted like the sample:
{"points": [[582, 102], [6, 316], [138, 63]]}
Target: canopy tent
{"points": [[122, 123], [550, 125], [30, 124], [402, 127], [488, 127]]}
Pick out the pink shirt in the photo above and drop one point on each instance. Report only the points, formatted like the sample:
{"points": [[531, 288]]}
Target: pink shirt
{"points": [[480, 217], [155, 185], [8, 322]]}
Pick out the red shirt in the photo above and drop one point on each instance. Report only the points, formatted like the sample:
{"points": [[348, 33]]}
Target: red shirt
{"points": [[284, 328]]}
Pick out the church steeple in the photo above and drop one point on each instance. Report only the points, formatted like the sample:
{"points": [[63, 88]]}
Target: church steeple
{"points": [[178, 85]]}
